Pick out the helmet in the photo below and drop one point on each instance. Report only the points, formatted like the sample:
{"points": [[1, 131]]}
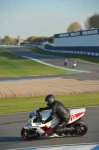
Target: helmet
{"points": [[50, 99]]}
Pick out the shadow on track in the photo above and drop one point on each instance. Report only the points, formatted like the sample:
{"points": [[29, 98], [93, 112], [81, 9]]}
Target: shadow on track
{"points": [[11, 139], [51, 138], [19, 139]]}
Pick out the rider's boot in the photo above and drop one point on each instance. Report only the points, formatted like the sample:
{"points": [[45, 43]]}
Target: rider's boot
{"points": [[54, 135]]}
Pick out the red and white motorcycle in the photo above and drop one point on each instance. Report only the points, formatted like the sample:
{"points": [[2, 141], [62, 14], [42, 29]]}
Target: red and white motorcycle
{"points": [[35, 129], [74, 64]]}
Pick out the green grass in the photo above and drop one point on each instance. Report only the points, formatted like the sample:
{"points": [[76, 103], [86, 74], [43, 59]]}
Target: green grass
{"points": [[14, 105], [12, 65], [86, 58]]}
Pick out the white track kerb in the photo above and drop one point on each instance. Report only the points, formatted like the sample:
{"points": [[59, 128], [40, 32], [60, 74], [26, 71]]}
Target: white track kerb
{"points": [[54, 65], [64, 147], [76, 71]]}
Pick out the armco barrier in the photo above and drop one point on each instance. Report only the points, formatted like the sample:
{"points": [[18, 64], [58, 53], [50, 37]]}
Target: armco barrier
{"points": [[75, 52], [91, 53]]}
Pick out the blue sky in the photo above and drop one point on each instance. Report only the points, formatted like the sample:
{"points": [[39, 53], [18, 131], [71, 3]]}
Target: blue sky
{"points": [[43, 17]]}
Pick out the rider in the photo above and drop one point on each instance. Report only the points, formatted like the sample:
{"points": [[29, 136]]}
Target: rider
{"points": [[60, 110], [66, 61]]}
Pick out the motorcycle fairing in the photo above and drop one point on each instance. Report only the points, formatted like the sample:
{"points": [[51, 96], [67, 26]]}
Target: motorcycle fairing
{"points": [[46, 129], [75, 114]]}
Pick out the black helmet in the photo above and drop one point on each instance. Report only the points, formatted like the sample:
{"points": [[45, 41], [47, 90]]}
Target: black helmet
{"points": [[50, 99]]}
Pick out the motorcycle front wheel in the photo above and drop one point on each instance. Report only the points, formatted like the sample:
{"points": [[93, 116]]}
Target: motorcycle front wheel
{"points": [[80, 128], [29, 135]]}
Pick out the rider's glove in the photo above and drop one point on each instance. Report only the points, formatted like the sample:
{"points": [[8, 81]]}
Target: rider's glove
{"points": [[40, 109], [43, 122], [37, 111]]}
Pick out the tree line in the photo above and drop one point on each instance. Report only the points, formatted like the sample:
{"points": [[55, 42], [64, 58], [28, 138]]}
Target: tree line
{"points": [[91, 22], [8, 39], [40, 39], [31, 39]]}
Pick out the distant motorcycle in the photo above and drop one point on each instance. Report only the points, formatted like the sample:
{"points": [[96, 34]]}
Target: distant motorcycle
{"points": [[66, 61], [74, 64], [35, 129]]}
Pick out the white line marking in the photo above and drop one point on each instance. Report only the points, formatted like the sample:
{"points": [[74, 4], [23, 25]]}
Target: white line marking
{"points": [[53, 65], [63, 146]]}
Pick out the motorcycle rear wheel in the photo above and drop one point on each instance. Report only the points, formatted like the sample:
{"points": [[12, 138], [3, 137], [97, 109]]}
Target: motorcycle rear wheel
{"points": [[29, 135], [80, 128]]}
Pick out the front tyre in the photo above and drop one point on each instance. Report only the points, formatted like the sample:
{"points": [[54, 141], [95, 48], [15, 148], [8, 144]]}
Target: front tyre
{"points": [[80, 128], [29, 135]]}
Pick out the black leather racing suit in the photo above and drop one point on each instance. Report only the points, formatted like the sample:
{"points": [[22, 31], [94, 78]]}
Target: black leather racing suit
{"points": [[61, 111]]}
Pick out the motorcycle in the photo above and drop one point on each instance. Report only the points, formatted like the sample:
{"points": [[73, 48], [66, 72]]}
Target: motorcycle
{"points": [[34, 129], [74, 64]]}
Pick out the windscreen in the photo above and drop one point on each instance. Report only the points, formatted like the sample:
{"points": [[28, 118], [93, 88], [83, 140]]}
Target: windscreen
{"points": [[32, 113]]}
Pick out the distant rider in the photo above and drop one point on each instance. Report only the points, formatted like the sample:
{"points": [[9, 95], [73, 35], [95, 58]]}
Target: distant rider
{"points": [[66, 61]]}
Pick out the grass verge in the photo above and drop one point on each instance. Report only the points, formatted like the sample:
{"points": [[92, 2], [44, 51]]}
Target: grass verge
{"points": [[15, 105], [12, 65]]}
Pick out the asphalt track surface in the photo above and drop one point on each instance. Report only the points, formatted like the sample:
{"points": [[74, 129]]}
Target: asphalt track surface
{"points": [[11, 125]]}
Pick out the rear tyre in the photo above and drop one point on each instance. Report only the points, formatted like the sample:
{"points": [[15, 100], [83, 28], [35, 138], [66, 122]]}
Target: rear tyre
{"points": [[29, 135], [80, 128]]}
